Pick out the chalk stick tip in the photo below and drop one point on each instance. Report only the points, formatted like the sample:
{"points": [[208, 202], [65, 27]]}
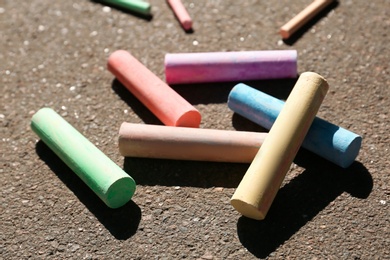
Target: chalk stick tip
{"points": [[120, 192], [284, 33], [191, 118], [41, 113], [187, 25], [247, 210], [43, 110], [116, 53], [232, 92], [312, 76], [350, 154], [115, 58]]}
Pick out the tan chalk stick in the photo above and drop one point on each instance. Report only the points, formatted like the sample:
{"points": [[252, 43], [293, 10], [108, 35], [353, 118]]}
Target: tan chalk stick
{"points": [[183, 143], [257, 190], [303, 17]]}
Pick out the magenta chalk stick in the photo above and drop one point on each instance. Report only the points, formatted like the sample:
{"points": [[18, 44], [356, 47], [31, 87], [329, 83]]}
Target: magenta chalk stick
{"points": [[171, 108], [183, 143], [187, 68], [181, 14]]}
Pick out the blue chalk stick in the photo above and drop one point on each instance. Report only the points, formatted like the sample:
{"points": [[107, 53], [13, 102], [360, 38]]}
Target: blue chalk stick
{"points": [[325, 139]]}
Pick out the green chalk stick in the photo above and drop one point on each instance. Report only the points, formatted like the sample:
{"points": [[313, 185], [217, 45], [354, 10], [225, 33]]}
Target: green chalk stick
{"points": [[138, 6], [110, 183]]}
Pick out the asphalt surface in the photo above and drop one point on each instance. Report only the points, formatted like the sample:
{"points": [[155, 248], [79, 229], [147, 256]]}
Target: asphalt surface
{"points": [[53, 53]]}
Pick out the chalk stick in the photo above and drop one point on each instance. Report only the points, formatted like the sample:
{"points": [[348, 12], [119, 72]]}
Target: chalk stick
{"points": [[186, 68], [257, 190], [303, 17], [334, 143], [138, 6], [181, 14], [166, 104], [183, 143], [109, 182]]}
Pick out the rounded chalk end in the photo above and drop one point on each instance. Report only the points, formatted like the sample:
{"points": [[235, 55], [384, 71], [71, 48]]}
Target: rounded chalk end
{"points": [[41, 112], [284, 33], [141, 7], [313, 76], [247, 210], [115, 59], [351, 152], [191, 118], [45, 113], [147, 9], [187, 25], [120, 192]]}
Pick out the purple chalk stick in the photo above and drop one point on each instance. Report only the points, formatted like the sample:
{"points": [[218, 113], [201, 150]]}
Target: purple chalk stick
{"points": [[186, 68]]}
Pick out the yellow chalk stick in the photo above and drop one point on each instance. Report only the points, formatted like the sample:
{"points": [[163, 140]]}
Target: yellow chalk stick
{"points": [[257, 190]]}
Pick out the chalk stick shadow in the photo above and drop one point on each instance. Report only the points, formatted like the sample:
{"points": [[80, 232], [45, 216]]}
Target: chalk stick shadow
{"points": [[194, 93], [218, 92], [183, 173], [122, 223], [301, 200], [138, 108], [298, 34], [190, 31], [279, 89], [240, 123], [139, 15]]}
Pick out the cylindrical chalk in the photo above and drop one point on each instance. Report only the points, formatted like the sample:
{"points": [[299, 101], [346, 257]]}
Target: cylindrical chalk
{"points": [[183, 143], [110, 183], [181, 13], [303, 17], [184, 68], [325, 139], [257, 190], [138, 6], [171, 108]]}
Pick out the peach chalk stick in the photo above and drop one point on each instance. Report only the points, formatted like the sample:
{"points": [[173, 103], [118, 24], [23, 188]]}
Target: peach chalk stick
{"points": [[181, 14], [303, 17], [183, 143], [166, 104], [257, 190]]}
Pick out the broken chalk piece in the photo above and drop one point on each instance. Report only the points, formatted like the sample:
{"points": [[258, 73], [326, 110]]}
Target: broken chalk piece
{"points": [[183, 143], [109, 182], [171, 108], [303, 17], [186, 68], [137, 6], [257, 190], [331, 142], [181, 14]]}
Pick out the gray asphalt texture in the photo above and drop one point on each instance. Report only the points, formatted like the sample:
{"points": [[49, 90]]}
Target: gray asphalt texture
{"points": [[54, 53]]}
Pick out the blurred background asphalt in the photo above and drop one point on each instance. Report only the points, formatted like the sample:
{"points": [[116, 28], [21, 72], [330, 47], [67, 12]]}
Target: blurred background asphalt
{"points": [[53, 53]]}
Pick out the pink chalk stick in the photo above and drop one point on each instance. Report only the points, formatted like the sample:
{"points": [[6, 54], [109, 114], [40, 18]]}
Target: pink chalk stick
{"points": [[186, 68], [181, 13], [184, 143], [171, 108]]}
